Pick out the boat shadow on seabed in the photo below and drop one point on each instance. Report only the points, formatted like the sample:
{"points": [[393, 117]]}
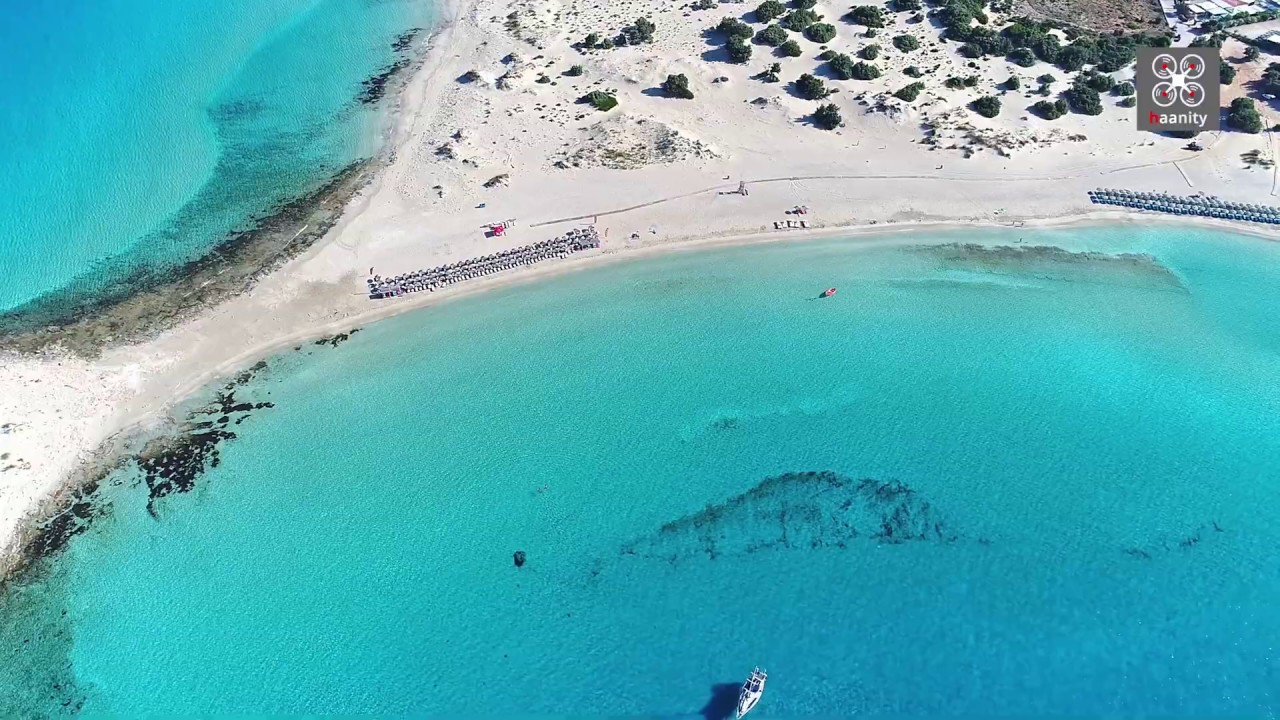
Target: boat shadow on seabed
{"points": [[722, 703]]}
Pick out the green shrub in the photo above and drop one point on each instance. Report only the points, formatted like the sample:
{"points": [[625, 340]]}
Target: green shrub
{"points": [[798, 20], [820, 33], [575, 71], [827, 116], [1084, 99], [811, 88], [953, 83], [790, 48], [599, 100], [591, 40], [804, 4], [910, 92], [735, 28], [872, 32], [1226, 74], [841, 66], [1046, 79], [739, 50], [1013, 83], [971, 51], [1099, 82], [677, 86], [1050, 110], [1251, 53], [1022, 57], [1244, 116], [768, 10], [987, 106], [1124, 89], [772, 36], [865, 71], [1128, 101], [867, 15], [906, 5], [870, 52], [906, 43], [912, 71], [705, 5]]}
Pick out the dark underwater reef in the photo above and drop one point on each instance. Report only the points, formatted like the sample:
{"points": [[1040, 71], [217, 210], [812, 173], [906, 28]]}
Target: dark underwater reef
{"points": [[800, 510]]}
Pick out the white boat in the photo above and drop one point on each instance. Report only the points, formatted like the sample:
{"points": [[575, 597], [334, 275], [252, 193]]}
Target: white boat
{"points": [[752, 690]]}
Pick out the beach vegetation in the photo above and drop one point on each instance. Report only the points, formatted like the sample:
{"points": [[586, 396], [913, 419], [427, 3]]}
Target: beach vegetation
{"points": [[906, 5], [870, 52], [637, 33], [575, 71], [826, 54], [811, 88], [599, 100], [1050, 109], [739, 50], [1226, 74], [865, 71], [769, 10], [820, 32], [906, 43], [909, 92], [591, 40], [987, 106], [1100, 82], [827, 117], [1083, 99], [705, 5], [872, 32], [790, 48], [677, 86], [1128, 102], [1046, 79], [804, 4], [912, 71], [1243, 115], [1013, 83], [1124, 89], [773, 36], [606, 44], [734, 28], [1251, 53], [971, 51], [1214, 41], [798, 20], [841, 66], [1022, 57], [869, 16]]}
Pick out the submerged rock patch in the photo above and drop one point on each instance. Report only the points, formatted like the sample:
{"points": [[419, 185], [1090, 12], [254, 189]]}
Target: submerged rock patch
{"points": [[799, 510], [1169, 545]]}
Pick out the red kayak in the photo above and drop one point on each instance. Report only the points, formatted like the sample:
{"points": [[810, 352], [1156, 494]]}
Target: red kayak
{"points": [[829, 292]]}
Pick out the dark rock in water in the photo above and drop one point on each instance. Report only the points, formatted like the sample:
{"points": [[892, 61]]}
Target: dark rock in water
{"points": [[335, 340], [519, 558], [800, 510]]}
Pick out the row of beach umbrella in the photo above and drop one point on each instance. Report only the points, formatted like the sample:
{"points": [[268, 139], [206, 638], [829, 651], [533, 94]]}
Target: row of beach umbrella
{"points": [[1201, 205]]}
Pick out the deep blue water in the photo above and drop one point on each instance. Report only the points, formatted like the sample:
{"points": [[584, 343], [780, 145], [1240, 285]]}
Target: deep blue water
{"points": [[975, 482], [139, 133]]}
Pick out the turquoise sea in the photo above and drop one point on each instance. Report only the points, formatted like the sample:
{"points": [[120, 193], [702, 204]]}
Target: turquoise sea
{"points": [[138, 134], [978, 481]]}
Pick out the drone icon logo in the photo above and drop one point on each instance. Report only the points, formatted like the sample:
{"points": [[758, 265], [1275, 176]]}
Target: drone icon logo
{"points": [[1177, 89], [1176, 80]]}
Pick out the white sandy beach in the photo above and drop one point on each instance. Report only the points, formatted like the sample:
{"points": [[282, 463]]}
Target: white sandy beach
{"points": [[683, 159]]}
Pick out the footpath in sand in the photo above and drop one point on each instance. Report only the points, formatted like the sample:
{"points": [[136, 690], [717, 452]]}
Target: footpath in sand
{"points": [[490, 130]]}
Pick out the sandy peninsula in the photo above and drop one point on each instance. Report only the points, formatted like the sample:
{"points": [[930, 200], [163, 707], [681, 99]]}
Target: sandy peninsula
{"points": [[491, 128]]}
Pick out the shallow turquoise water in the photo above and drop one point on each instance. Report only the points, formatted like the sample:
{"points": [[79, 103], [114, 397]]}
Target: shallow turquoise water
{"points": [[1087, 448], [139, 133]]}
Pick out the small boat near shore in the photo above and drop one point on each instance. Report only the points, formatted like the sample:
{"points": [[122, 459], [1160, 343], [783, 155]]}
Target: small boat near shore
{"points": [[828, 292], [752, 691]]}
